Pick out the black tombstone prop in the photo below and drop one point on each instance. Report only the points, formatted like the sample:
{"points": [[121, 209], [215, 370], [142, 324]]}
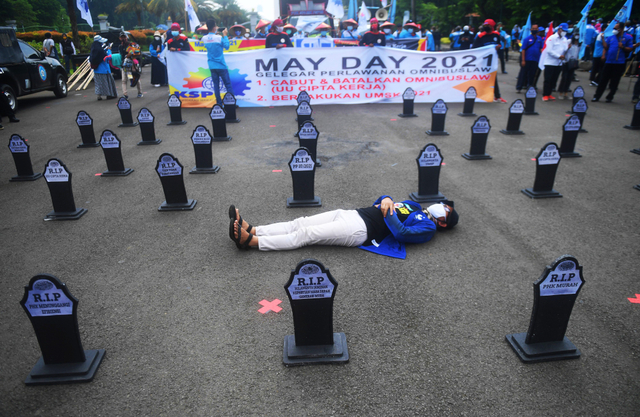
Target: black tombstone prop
{"points": [[479, 134], [58, 179], [219, 124], [169, 170], [125, 113], [111, 147], [635, 120], [429, 162], [175, 111], [530, 102], [580, 110], [438, 116], [636, 151], [408, 98], [303, 96], [304, 112], [230, 106], [308, 138], [53, 313], [22, 158], [554, 295], [311, 290], [570, 132], [201, 139], [546, 166], [303, 170], [515, 117], [637, 187], [147, 127], [577, 94], [85, 124], [469, 101]]}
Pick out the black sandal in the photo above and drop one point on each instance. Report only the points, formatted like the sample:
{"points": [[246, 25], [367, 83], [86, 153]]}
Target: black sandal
{"points": [[244, 245], [232, 216], [232, 219]]}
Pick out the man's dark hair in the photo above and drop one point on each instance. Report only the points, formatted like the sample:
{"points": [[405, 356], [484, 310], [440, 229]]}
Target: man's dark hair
{"points": [[47, 35], [211, 23]]}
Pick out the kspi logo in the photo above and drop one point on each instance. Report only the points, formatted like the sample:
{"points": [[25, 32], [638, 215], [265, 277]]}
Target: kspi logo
{"points": [[43, 72]]}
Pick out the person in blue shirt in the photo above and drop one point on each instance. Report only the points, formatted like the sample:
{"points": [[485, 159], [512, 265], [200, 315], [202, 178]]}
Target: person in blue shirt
{"points": [[598, 62], [589, 40], [216, 44], [238, 32], [503, 52], [350, 31], [515, 37], [409, 31], [615, 50], [454, 37], [529, 57], [388, 29], [382, 228]]}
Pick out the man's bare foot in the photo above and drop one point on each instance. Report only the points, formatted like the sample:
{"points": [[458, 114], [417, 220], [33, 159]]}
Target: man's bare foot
{"points": [[244, 235], [244, 225]]}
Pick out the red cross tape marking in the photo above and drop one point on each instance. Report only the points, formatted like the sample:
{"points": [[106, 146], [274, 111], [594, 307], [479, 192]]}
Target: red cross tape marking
{"points": [[270, 306], [635, 300]]}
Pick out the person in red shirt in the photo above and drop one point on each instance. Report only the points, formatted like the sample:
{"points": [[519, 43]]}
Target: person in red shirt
{"points": [[373, 37]]}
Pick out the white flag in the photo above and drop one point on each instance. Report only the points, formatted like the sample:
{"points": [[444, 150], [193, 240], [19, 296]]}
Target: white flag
{"points": [[194, 22], [336, 8], [83, 6], [363, 17], [384, 3]]}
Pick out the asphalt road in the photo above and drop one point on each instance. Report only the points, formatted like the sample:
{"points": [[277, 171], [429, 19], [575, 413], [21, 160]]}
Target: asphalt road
{"points": [[175, 304]]}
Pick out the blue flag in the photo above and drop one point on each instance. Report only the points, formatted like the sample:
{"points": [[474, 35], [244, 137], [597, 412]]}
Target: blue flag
{"points": [[622, 16], [526, 29], [587, 7], [353, 10], [582, 27], [392, 12]]}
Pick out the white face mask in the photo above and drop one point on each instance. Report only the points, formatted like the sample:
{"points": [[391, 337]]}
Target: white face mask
{"points": [[615, 32], [410, 30], [279, 28], [387, 31], [349, 27], [437, 210]]}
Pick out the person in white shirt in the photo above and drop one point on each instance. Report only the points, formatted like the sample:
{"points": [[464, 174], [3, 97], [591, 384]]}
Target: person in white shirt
{"points": [[554, 54]]}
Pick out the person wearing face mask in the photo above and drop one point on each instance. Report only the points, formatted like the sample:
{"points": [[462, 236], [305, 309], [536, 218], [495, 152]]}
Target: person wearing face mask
{"points": [[555, 48], [614, 54], [529, 57], [277, 38], [158, 69], [261, 29], [291, 30], [387, 28], [373, 37], [178, 41], [350, 30], [466, 39], [382, 228], [569, 65], [238, 32], [454, 38], [324, 30], [409, 31], [489, 36]]}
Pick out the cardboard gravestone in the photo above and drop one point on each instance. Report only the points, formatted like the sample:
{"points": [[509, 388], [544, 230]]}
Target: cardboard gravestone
{"points": [[530, 102], [22, 159], [479, 134], [219, 124], [85, 124], [308, 138], [169, 170], [580, 110], [113, 155], [438, 116], [554, 295], [637, 187], [311, 290], [429, 163], [635, 120], [125, 113], [408, 98], [303, 96], [53, 313], [546, 167], [201, 139], [515, 117], [577, 94], [58, 179], [303, 169], [304, 112], [147, 127], [570, 132], [175, 110], [230, 106], [469, 101]]}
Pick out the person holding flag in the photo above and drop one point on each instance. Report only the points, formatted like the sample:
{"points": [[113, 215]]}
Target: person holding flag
{"points": [[614, 54]]}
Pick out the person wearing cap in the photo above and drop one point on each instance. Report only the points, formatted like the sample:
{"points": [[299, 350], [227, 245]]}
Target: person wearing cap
{"points": [[261, 29], [614, 54], [409, 31], [489, 36], [466, 39], [598, 25], [387, 28], [555, 47], [529, 58], [68, 51], [237, 31], [382, 228], [324, 30], [454, 37], [373, 37], [350, 30], [515, 37], [291, 30], [158, 69], [215, 45], [278, 38], [102, 78], [178, 41]]}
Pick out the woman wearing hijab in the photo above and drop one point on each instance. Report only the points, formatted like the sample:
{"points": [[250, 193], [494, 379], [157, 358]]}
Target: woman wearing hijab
{"points": [[158, 69], [102, 78]]}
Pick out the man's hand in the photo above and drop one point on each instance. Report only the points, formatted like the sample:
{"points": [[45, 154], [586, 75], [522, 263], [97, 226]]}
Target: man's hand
{"points": [[561, 56], [224, 32], [387, 206], [172, 49], [278, 46], [522, 64]]}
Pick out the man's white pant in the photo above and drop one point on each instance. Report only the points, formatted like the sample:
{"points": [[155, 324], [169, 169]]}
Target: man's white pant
{"points": [[338, 227]]}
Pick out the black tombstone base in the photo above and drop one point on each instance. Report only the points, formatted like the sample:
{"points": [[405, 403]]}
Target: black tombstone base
{"points": [[117, 173], [88, 145], [471, 157], [232, 120], [221, 139], [189, 205], [211, 170], [637, 187], [65, 215], [631, 127], [583, 130], [512, 132], [437, 133], [427, 198], [66, 373], [181, 122], [636, 151], [541, 194], [128, 124], [531, 113], [466, 114], [542, 352], [407, 115], [29, 177], [293, 355], [570, 155], [149, 142], [316, 202], [311, 119]]}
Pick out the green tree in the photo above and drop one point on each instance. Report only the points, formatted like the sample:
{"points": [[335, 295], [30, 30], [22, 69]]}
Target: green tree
{"points": [[136, 6], [175, 8], [205, 9], [18, 10], [229, 13]]}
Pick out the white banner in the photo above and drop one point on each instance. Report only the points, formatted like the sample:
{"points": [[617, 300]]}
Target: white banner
{"points": [[270, 77]]}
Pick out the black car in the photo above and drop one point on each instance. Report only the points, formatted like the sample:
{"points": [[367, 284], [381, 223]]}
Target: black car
{"points": [[25, 70]]}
